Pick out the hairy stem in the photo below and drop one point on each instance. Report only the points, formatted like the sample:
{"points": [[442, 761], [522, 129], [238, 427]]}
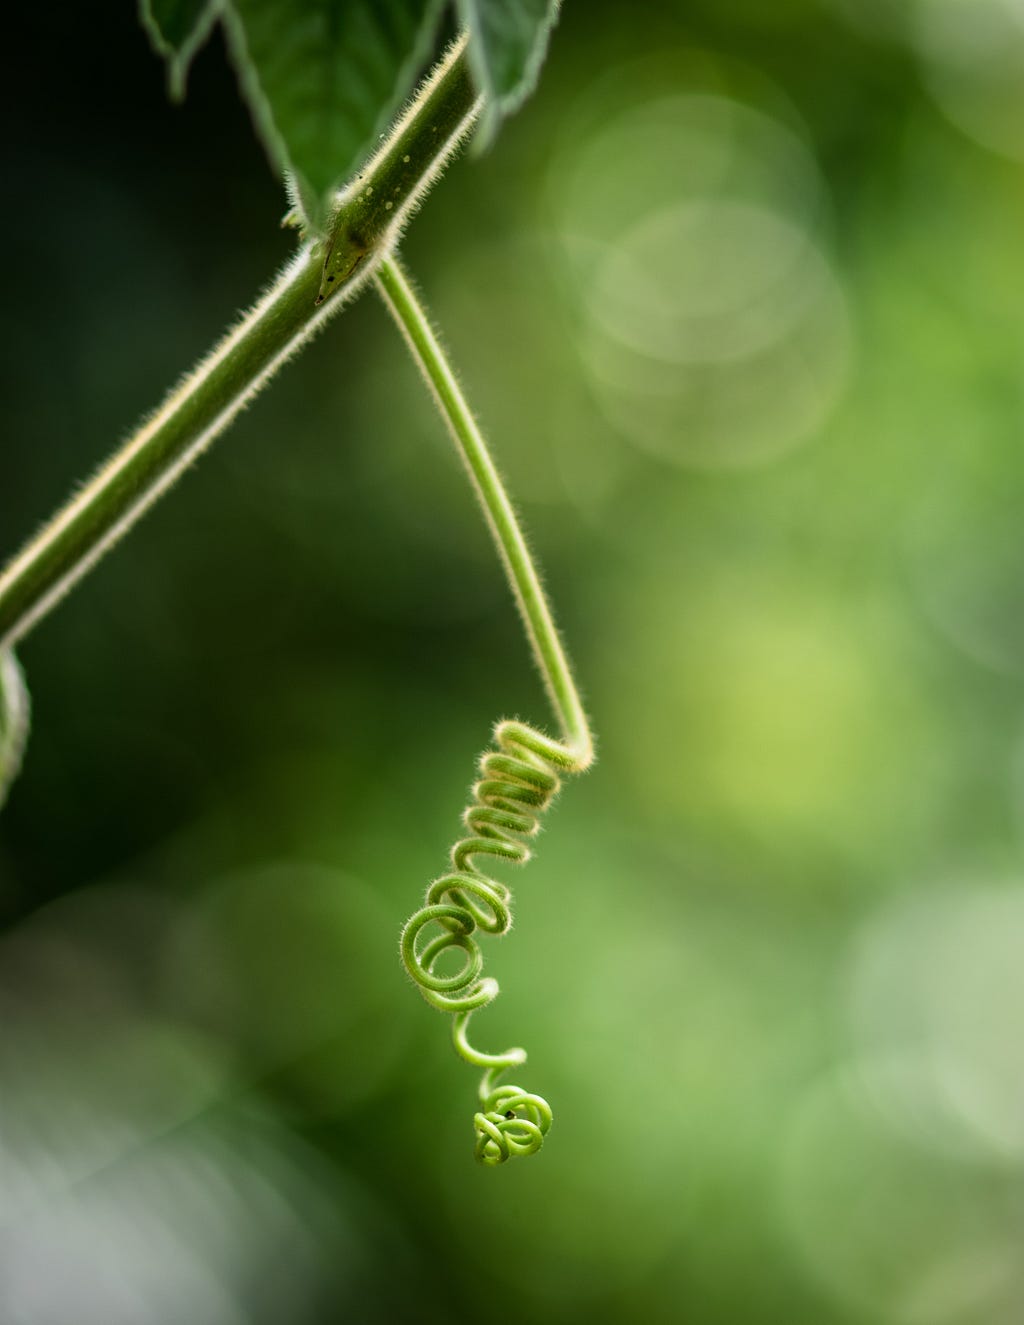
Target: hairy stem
{"points": [[320, 279], [506, 531]]}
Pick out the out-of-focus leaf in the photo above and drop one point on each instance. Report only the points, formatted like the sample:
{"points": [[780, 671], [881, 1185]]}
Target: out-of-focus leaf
{"points": [[508, 40], [323, 79], [177, 29], [14, 713]]}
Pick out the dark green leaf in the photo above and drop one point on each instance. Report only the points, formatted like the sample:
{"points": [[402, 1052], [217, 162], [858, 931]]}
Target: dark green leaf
{"points": [[14, 710], [508, 40], [177, 29], [324, 78]]}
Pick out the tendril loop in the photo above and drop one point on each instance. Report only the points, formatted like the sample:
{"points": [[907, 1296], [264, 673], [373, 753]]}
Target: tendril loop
{"points": [[519, 778]]}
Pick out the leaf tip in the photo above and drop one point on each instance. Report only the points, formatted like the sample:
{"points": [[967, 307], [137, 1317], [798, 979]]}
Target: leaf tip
{"points": [[14, 721]]}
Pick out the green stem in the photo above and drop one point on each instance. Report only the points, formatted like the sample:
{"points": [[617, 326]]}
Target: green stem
{"points": [[522, 575], [320, 279]]}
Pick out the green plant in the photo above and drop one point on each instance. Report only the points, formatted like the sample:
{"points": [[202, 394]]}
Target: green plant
{"points": [[348, 237], [13, 721], [518, 778]]}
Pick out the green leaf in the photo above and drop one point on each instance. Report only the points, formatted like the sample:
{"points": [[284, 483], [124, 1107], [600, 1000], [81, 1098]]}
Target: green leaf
{"points": [[508, 40], [177, 29], [324, 78], [14, 714]]}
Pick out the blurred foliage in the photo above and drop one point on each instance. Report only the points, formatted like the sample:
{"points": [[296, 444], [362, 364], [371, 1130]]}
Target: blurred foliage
{"points": [[738, 299]]}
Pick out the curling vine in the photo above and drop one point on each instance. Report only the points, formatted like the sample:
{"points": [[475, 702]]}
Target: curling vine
{"points": [[519, 777], [521, 773]]}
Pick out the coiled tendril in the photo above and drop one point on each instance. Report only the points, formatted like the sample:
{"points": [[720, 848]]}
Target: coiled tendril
{"points": [[518, 780], [519, 777]]}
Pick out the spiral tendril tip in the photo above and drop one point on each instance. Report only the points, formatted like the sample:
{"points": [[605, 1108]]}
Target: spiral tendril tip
{"points": [[519, 777]]}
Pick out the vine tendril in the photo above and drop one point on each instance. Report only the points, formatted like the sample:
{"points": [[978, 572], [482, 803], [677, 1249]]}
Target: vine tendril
{"points": [[518, 778]]}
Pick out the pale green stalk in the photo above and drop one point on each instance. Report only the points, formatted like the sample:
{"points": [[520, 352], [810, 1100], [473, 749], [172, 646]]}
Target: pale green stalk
{"points": [[518, 778], [501, 518], [320, 279]]}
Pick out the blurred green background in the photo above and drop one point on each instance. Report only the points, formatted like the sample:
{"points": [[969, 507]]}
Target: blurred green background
{"points": [[739, 298]]}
